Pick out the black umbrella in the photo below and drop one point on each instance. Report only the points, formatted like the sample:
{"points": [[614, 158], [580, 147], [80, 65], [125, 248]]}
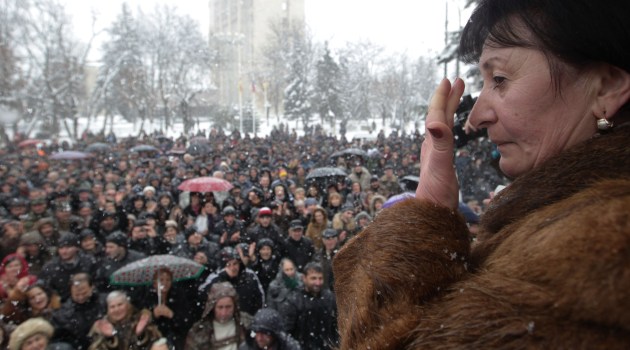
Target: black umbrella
{"points": [[144, 148], [199, 149], [350, 153], [98, 147], [409, 183], [325, 176]]}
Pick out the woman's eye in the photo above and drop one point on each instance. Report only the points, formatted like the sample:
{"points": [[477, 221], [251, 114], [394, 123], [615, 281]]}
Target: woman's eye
{"points": [[498, 80]]}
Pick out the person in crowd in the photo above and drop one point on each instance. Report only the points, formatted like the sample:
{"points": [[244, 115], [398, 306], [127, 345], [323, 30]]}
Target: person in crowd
{"points": [[90, 246], [265, 262], [318, 223], [208, 216], [14, 274], [118, 255], [268, 333], [174, 309], [50, 234], [69, 261], [297, 247], [344, 223], [171, 241], [222, 324], [247, 285], [389, 182], [123, 327], [360, 174], [143, 238], [194, 243], [314, 194], [12, 230], [35, 300], [33, 250], [73, 320], [287, 280], [109, 223], [362, 220], [555, 102], [335, 202], [310, 312], [229, 229], [38, 210], [34, 334], [264, 229], [376, 204], [356, 198], [326, 254]]}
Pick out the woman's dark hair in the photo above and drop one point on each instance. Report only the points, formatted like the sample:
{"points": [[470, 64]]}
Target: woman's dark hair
{"points": [[578, 32]]}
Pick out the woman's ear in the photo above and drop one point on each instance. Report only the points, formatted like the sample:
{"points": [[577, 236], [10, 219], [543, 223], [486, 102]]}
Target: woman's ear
{"points": [[614, 91]]}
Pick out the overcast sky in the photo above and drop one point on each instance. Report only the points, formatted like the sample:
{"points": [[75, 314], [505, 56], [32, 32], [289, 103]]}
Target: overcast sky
{"points": [[412, 26]]}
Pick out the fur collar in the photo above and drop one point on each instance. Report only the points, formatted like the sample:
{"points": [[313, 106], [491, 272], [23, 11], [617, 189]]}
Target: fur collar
{"points": [[602, 157]]}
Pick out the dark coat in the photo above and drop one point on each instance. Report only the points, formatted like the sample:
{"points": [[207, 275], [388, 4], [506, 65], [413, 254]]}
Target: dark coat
{"points": [[311, 320], [73, 321], [550, 269], [56, 274], [266, 270], [280, 288], [250, 292], [300, 252], [109, 266]]}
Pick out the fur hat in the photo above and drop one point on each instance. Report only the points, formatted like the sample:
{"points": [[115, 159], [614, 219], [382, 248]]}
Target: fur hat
{"points": [[28, 329], [218, 291]]}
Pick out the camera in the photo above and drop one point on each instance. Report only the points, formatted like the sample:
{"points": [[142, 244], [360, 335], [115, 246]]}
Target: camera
{"points": [[461, 116]]}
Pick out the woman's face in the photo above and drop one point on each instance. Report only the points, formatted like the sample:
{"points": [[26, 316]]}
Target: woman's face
{"points": [[13, 268], [289, 269], [524, 115], [37, 298], [319, 217], [224, 309], [117, 309], [35, 342]]}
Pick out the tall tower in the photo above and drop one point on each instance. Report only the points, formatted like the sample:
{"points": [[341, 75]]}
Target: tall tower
{"points": [[239, 29]]}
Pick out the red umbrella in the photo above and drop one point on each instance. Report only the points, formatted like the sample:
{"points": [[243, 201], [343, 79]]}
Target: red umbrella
{"points": [[29, 142], [205, 184]]}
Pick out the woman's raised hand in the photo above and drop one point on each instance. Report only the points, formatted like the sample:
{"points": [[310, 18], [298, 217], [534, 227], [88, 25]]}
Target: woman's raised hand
{"points": [[438, 182]]}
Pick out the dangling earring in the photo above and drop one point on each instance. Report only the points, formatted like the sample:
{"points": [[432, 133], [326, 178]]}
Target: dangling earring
{"points": [[603, 124]]}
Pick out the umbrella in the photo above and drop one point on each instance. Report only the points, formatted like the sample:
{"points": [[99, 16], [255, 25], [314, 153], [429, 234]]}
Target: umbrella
{"points": [[325, 176], [350, 153], [199, 149], [199, 140], [69, 155], [144, 148], [409, 183], [29, 143], [98, 147], [205, 184], [141, 272]]}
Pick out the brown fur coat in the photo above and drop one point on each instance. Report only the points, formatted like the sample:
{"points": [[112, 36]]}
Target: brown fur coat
{"points": [[551, 269]]}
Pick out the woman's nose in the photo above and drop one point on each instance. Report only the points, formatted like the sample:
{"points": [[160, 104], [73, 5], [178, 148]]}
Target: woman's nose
{"points": [[481, 115]]}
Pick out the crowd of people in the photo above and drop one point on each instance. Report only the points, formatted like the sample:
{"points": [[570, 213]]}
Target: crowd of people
{"points": [[267, 244]]}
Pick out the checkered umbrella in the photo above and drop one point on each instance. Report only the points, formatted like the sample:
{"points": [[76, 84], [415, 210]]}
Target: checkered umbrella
{"points": [[142, 272]]}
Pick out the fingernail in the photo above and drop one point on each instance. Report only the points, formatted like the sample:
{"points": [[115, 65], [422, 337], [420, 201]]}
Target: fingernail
{"points": [[436, 133]]}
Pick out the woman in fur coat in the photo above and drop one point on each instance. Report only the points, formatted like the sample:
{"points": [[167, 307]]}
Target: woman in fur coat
{"points": [[551, 268]]}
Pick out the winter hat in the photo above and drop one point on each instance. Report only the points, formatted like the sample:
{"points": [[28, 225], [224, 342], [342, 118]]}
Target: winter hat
{"points": [[31, 237], [267, 321], [147, 189], [227, 254], [330, 232], [265, 242], [229, 210], [28, 329], [347, 207], [362, 215], [297, 223], [170, 223], [310, 201], [218, 291], [85, 233], [68, 240], [118, 238], [264, 211]]}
